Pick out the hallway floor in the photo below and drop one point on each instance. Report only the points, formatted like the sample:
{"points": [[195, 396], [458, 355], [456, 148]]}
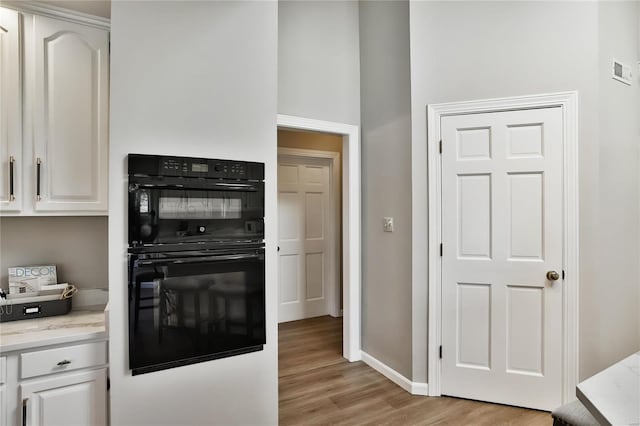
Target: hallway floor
{"points": [[319, 387]]}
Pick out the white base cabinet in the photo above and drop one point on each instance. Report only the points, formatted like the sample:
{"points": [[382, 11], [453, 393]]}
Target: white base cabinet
{"points": [[61, 385], [75, 399], [4, 419], [3, 405]]}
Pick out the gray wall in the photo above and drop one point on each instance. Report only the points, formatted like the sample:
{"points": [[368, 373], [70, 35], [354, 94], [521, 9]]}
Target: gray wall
{"points": [[76, 245], [386, 182], [318, 66], [610, 318], [193, 79], [498, 49]]}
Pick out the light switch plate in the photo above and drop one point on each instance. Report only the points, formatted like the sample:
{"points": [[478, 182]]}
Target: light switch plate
{"points": [[387, 224], [622, 72]]}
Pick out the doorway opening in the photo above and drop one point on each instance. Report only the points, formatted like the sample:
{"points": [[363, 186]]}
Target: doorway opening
{"points": [[319, 259]]}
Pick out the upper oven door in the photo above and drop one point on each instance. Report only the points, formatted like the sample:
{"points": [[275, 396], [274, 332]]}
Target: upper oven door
{"points": [[167, 212]]}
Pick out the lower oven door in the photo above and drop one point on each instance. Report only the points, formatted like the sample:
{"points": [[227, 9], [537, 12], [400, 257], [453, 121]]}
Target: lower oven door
{"points": [[192, 307]]}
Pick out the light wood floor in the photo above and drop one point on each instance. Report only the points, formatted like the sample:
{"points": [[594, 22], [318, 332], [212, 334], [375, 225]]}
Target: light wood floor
{"points": [[319, 387]]}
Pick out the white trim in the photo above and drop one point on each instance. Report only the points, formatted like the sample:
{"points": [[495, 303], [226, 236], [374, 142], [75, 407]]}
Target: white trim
{"points": [[351, 226], [568, 101], [413, 388], [332, 159], [51, 11]]}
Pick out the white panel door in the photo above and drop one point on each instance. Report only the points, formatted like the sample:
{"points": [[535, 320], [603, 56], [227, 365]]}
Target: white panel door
{"points": [[71, 400], [70, 116], [305, 260], [502, 231], [10, 113]]}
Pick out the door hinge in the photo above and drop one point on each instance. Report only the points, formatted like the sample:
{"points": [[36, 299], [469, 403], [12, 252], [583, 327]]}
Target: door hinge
{"points": [[441, 249], [440, 146], [440, 351]]}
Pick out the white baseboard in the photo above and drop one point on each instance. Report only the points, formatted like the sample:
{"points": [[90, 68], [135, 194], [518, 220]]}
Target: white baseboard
{"points": [[419, 389], [414, 388], [336, 314]]}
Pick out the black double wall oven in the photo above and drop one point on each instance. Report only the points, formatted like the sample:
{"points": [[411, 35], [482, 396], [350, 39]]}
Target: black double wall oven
{"points": [[196, 285]]}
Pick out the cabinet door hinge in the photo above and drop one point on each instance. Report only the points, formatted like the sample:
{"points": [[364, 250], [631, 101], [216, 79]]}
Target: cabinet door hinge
{"points": [[440, 351], [441, 249], [440, 146]]}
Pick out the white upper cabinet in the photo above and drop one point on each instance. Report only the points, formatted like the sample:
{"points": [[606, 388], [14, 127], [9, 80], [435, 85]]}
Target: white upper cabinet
{"points": [[10, 117], [70, 116], [54, 112]]}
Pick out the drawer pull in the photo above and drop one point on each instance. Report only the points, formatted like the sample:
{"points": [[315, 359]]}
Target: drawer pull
{"points": [[64, 362]]}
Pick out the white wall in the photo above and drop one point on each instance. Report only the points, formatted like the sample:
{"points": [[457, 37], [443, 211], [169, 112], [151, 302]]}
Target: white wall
{"points": [[192, 78], [386, 182], [477, 50], [318, 60]]}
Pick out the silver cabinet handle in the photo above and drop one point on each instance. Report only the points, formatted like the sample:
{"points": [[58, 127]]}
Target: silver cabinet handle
{"points": [[38, 166], [12, 160]]}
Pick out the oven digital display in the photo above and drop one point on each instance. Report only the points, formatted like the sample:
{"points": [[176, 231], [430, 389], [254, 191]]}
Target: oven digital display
{"points": [[200, 167]]}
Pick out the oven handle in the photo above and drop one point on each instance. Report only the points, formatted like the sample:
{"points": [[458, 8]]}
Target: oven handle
{"points": [[199, 259], [235, 185], [247, 187]]}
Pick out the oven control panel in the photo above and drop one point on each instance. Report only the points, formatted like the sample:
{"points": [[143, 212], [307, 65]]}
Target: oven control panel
{"points": [[191, 167]]}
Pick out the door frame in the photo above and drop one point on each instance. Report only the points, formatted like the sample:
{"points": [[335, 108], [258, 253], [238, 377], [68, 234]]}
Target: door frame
{"points": [[351, 224], [330, 159], [568, 102]]}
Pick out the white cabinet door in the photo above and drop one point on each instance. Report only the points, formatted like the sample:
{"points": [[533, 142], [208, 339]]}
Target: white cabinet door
{"points": [[10, 113], [71, 400], [3, 405], [70, 112]]}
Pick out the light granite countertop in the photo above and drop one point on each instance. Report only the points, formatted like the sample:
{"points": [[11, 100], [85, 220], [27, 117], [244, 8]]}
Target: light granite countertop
{"points": [[613, 395], [80, 324]]}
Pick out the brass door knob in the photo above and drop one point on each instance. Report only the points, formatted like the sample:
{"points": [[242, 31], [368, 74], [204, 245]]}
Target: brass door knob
{"points": [[553, 276]]}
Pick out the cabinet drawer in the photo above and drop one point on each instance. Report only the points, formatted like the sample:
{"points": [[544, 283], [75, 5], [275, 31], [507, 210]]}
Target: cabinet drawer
{"points": [[58, 360], [3, 369]]}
